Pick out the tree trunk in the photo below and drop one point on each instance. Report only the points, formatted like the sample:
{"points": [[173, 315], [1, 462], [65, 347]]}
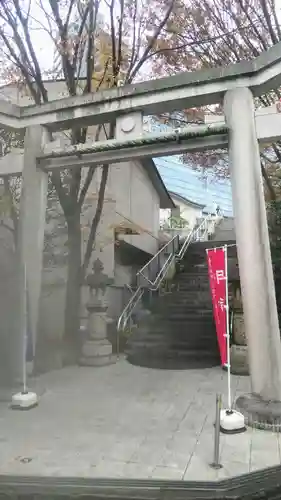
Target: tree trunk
{"points": [[72, 342]]}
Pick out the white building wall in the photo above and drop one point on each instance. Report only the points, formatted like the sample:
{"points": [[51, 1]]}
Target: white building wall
{"points": [[136, 202], [188, 212]]}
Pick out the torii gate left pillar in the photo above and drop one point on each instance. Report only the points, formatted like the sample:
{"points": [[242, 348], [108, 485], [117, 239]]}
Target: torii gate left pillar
{"points": [[32, 215]]}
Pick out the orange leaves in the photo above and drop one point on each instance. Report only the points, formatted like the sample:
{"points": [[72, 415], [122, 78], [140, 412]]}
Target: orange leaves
{"points": [[104, 76]]}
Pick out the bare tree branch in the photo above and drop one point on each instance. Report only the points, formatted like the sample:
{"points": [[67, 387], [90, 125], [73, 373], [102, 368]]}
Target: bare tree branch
{"points": [[28, 77], [90, 52], [37, 72], [68, 69], [152, 42], [268, 21], [133, 51], [120, 37]]}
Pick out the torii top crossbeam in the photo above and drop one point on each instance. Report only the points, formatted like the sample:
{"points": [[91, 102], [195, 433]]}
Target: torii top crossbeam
{"points": [[184, 90]]}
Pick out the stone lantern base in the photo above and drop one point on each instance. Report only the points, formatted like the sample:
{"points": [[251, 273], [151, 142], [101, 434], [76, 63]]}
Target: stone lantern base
{"points": [[97, 350], [97, 353]]}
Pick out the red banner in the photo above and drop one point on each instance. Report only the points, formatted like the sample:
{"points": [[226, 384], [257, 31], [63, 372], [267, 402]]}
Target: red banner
{"points": [[217, 276]]}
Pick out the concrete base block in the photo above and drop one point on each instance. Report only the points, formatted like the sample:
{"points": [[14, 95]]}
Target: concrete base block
{"points": [[6, 393], [258, 413]]}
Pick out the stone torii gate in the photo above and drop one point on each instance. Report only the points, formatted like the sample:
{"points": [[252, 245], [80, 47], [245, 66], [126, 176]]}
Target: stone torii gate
{"points": [[235, 86]]}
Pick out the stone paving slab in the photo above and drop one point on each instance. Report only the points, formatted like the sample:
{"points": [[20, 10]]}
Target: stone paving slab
{"points": [[130, 422]]}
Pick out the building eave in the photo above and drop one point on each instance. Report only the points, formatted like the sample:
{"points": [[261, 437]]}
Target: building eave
{"points": [[186, 200]]}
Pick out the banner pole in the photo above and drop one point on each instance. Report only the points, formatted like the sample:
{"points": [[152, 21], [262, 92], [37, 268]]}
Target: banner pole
{"points": [[227, 330], [24, 333], [24, 400]]}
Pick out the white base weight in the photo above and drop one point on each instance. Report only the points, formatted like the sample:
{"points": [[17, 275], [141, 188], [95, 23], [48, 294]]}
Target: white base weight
{"points": [[24, 401], [231, 422]]}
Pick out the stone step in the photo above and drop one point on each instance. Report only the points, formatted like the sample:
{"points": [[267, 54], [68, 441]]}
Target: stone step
{"points": [[186, 314], [173, 334], [193, 289], [184, 317], [179, 347], [192, 283], [192, 265], [186, 293], [203, 278], [191, 278], [190, 286], [188, 274], [186, 299], [186, 309], [184, 296], [183, 305], [173, 360], [155, 344], [180, 330], [195, 259], [191, 306]]}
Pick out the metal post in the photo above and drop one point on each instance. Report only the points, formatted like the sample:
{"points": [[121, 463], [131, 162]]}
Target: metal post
{"points": [[227, 331], [215, 464], [117, 344], [25, 323]]}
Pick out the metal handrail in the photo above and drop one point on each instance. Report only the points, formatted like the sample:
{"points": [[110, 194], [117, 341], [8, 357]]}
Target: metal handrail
{"points": [[123, 319], [126, 316], [154, 285], [161, 273], [134, 300], [193, 236], [155, 256]]}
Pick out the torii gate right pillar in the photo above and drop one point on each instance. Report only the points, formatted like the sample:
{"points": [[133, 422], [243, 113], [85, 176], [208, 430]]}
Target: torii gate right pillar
{"points": [[255, 266]]}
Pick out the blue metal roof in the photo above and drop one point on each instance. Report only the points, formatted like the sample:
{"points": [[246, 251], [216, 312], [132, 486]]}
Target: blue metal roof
{"points": [[181, 178], [184, 180]]}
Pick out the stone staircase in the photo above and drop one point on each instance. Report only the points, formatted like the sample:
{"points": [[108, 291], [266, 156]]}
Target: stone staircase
{"points": [[177, 330]]}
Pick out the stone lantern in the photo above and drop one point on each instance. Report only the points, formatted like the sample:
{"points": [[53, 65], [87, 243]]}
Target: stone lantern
{"points": [[97, 350]]}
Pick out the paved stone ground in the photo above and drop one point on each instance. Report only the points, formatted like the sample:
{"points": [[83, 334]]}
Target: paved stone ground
{"points": [[125, 421]]}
